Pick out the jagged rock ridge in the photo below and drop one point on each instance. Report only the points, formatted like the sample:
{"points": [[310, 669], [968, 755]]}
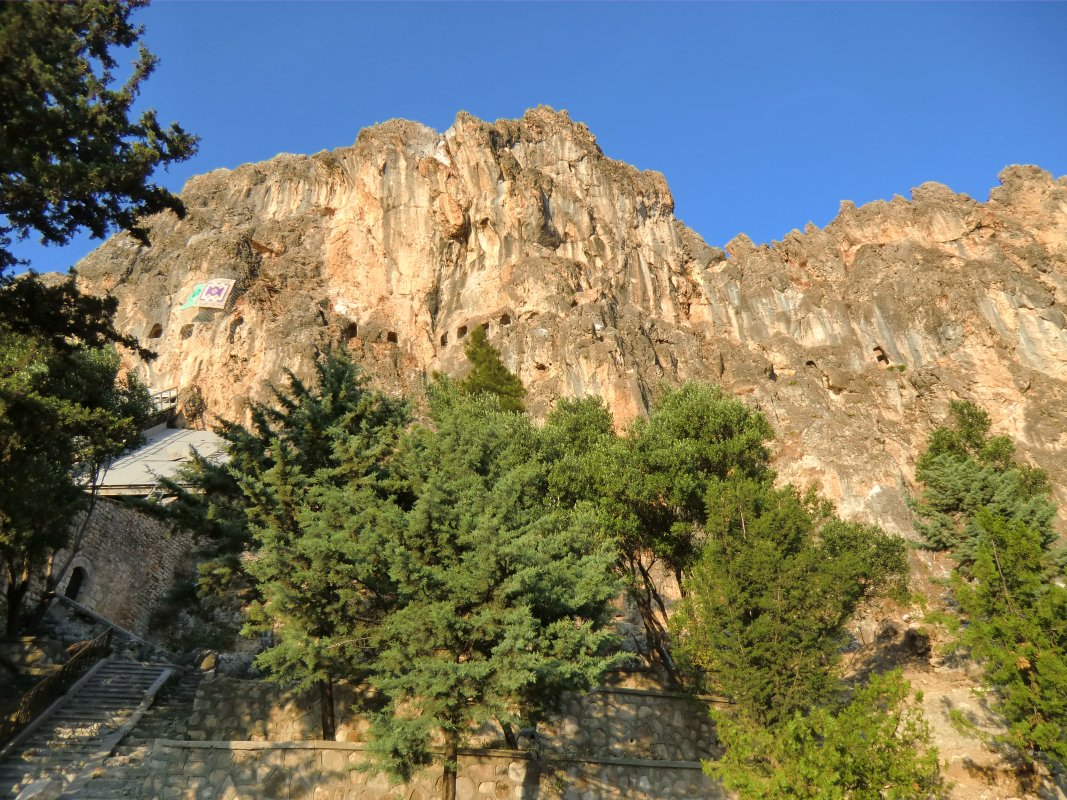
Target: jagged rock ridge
{"points": [[852, 338]]}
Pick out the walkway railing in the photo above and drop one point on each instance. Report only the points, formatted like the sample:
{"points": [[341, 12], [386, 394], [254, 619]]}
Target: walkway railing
{"points": [[41, 696], [165, 399]]}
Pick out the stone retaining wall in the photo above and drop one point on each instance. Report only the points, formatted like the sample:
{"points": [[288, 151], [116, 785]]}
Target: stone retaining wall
{"points": [[220, 770], [631, 723], [605, 723]]}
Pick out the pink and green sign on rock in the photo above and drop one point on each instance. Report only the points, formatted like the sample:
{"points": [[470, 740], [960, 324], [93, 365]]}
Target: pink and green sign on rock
{"points": [[212, 294]]}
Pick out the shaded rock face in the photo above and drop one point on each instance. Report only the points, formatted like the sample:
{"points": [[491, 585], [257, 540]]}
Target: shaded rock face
{"points": [[852, 339]]}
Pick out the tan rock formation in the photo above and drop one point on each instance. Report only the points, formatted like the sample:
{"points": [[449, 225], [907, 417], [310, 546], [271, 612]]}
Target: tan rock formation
{"points": [[852, 338]]}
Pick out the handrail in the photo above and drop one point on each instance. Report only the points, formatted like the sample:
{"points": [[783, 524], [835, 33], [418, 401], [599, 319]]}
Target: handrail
{"points": [[113, 626], [42, 695], [165, 398]]}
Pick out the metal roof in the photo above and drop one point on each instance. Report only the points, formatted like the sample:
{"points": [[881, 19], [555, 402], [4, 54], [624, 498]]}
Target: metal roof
{"points": [[164, 451]]}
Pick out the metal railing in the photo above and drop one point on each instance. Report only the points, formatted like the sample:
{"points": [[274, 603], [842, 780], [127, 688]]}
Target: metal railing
{"points": [[41, 696], [165, 399]]}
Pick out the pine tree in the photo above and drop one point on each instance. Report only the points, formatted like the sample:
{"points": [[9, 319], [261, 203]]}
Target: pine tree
{"points": [[1009, 581], [649, 489], [313, 570], [1015, 605], [876, 746], [71, 156], [779, 576], [489, 375], [964, 470], [501, 601]]}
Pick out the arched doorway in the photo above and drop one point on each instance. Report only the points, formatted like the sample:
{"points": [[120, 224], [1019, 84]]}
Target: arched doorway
{"points": [[74, 585]]}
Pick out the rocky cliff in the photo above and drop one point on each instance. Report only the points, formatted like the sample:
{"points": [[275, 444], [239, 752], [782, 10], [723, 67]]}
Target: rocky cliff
{"points": [[852, 338]]}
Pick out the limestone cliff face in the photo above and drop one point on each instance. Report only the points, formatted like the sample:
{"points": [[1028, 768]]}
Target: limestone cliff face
{"points": [[852, 338]]}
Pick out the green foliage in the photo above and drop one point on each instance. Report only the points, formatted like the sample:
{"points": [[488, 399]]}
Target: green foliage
{"points": [[650, 489], [489, 375], [964, 470], [71, 156], [766, 604], [430, 565], [337, 433], [1017, 630], [64, 414], [1009, 584], [501, 602], [875, 747]]}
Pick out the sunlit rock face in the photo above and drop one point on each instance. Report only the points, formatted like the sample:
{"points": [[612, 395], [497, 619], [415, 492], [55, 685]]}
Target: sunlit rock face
{"points": [[852, 339]]}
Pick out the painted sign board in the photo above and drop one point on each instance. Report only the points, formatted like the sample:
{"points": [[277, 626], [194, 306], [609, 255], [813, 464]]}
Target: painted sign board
{"points": [[212, 294], [215, 293]]}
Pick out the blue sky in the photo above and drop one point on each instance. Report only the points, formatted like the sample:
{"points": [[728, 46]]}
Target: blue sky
{"points": [[763, 116]]}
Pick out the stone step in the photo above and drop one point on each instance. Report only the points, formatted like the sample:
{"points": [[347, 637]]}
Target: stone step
{"points": [[72, 740]]}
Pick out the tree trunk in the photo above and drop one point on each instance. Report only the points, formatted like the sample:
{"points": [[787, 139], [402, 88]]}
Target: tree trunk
{"points": [[448, 788], [329, 721], [16, 591], [509, 736], [647, 598]]}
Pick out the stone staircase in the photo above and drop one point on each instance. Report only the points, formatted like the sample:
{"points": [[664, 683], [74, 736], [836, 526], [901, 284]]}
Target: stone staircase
{"points": [[126, 772], [71, 744]]}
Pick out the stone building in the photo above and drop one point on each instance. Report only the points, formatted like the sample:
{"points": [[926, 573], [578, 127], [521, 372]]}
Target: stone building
{"points": [[126, 561]]}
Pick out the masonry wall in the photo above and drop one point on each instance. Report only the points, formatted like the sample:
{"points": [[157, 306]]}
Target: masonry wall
{"points": [[328, 771], [607, 722], [130, 560]]}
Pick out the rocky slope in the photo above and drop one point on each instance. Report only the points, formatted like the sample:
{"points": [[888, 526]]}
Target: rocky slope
{"points": [[852, 338]]}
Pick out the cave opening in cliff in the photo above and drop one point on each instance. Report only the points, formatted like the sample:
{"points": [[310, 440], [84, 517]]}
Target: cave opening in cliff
{"points": [[444, 339], [880, 355], [351, 331], [505, 319], [461, 332], [156, 332], [391, 337], [810, 363]]}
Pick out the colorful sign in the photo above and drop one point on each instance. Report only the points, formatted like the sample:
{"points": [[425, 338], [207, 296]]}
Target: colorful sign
{"points": [[191, 299], [215, 293], [212, 294]]}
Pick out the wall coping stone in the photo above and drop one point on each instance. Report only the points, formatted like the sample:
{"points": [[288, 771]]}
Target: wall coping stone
{"points": [[359, 747], [665, 693]]}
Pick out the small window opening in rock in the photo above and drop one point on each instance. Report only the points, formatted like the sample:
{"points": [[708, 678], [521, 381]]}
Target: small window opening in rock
{"points": [[74, 585], [485, 327], [505, 319], [351, 331], [540, 366], [156, 332], [461, 332], [444, 339], [810, 363], [391, 337], [880, 355]]}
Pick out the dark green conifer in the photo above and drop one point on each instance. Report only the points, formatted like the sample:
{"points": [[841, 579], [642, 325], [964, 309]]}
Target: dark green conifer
{"points": [[965, 470], [489, 375]]}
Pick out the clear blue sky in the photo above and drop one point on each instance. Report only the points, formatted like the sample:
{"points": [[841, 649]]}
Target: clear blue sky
{"points": [[762, 116]]}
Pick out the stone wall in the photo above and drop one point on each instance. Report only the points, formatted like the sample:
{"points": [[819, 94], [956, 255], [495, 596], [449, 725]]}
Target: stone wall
{"points": [[126, 565], [329, 771], [631, 723], [129, 560], [607, 722]]}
